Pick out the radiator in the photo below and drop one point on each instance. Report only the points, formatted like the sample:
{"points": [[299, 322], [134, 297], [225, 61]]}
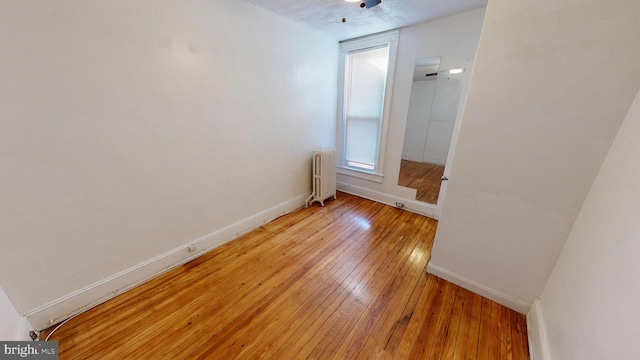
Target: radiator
{"points": [[323, 176]]}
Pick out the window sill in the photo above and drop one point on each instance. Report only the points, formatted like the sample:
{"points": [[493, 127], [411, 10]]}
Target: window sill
{"points": [[361, 174]]}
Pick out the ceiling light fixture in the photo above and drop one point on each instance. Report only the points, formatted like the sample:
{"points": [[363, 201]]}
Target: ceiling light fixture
{"points": [[455, 71]]}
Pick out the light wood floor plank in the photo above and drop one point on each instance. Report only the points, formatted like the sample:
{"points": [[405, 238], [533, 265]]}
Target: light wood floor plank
{"points": [[494, 335], [464, 331], [376, 309], [422, 313], [471, 348], [436, 336], [401, 305], [506, 351], [519, 340], [485, 332], [454, 330], [344, 281], [399, 328]]}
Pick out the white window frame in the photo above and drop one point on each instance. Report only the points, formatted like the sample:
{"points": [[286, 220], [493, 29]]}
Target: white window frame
{"points": [[391, 40]]}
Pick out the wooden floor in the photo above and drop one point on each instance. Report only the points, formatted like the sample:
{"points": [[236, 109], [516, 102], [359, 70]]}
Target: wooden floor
{"points": [[344, 281], [426, 178]]}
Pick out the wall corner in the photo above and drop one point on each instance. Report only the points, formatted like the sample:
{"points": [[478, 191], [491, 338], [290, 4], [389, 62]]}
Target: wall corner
{"points": [[537, 332]]}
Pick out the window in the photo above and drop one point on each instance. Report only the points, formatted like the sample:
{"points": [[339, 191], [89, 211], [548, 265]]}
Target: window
{"points": [[367, 72]]}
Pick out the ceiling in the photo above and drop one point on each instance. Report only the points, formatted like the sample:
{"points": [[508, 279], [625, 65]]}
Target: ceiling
{"points": [[327, 15]]}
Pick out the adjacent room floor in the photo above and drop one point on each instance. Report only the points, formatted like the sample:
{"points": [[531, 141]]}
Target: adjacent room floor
{"points": [[343, 281], [425, 178]]}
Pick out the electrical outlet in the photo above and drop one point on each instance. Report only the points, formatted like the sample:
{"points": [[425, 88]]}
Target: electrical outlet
{"points": [[399, 205]]}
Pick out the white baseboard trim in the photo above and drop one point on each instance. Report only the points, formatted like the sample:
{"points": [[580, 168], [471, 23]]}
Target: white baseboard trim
{"points": [[538, 341], [491, 294], [410, 205], [94, 294]]}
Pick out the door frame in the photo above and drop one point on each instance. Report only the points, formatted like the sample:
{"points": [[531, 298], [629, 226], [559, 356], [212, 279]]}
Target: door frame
{"points": [[454, 136]]}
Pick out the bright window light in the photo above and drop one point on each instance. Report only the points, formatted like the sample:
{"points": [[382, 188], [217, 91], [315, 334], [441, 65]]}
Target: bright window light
{"points": [[366, 74], [455, 71], [365, 64]]}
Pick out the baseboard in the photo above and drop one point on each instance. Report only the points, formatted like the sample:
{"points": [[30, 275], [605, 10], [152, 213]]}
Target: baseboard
{"points": [[83, 299], [417, 207], [538, 343], [491, 294]]}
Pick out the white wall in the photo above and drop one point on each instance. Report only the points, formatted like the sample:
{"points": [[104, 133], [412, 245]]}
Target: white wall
{"points": [[12, 326], [551, 85], [130, 129], [590, 303], [455, 39]]}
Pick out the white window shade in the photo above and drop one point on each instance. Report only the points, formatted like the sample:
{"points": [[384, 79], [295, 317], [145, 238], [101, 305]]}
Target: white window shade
{"points": [[365, 75]]}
